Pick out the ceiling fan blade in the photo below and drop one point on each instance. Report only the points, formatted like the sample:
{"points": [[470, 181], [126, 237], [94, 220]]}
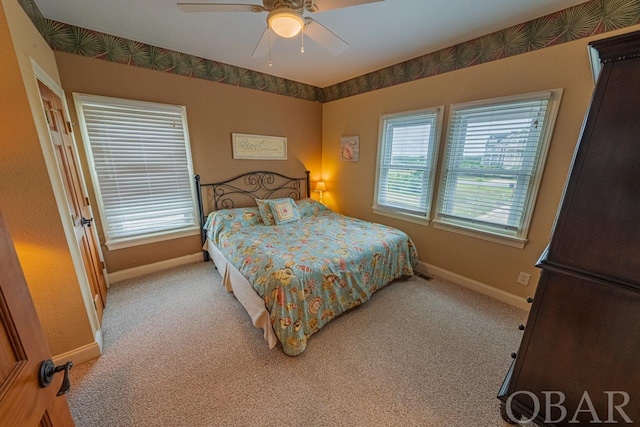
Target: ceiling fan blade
{"points": [[324, 5], [220, 7], [262, 48], [325, 37]]}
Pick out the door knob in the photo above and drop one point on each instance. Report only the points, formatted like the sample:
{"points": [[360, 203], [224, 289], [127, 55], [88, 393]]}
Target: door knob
{"points": [[84, 221], [48, 370]]}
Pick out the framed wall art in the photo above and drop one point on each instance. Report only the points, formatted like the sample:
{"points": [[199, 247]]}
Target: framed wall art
{"points": [[350, 148], [259, 147]]}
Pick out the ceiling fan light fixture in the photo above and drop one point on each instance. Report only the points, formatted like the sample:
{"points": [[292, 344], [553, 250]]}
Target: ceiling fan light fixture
{"points": [[285, 22]]}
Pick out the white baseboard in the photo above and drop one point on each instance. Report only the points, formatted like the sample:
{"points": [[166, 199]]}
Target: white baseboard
{"points": [[98, 338], [129, 273], [474, 285], [79, 355]]}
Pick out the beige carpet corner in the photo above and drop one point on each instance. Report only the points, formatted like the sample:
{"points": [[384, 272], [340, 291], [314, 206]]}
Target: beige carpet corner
{"points": [[181, 351]]}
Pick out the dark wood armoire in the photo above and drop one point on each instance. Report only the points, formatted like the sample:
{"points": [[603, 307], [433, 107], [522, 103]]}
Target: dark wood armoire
{"points": [[581, 342]]}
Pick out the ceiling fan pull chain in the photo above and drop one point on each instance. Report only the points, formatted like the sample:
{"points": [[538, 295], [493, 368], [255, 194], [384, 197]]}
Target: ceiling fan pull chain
{"points": [[269, 32], [302, 38]]}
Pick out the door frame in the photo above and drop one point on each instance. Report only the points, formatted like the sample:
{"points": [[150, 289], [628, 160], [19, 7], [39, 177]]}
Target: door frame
{"points": [[92, 350]]}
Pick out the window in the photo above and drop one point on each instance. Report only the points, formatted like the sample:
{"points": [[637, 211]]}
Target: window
{"points": [[407, 155], [141, 167], [493, 164]]}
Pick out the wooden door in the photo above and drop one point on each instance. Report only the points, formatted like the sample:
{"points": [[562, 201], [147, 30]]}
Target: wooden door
{"points": [[22, 350], [77, 200]]}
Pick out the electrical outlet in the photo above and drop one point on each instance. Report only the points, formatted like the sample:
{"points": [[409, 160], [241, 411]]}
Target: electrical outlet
{"points": [[523, 278]]}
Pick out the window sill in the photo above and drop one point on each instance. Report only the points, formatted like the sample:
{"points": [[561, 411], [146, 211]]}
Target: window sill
{"points": [[402, 216], [128, 242], [516, 242]]}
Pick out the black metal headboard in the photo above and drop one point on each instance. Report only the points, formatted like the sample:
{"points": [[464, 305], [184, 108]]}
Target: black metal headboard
{"points": [[242, 191]]}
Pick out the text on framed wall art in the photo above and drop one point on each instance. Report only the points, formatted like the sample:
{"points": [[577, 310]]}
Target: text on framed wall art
{"points": [[259, 147]]}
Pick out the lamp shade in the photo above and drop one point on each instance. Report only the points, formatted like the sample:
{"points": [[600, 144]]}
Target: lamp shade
{"points": [[321, 186], [285, 22]]}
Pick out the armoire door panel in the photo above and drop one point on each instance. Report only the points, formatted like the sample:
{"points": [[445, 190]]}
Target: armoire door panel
{"points": [[597, 229]]}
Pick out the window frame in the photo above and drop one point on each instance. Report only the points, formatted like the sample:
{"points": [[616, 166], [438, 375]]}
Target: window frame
{"points": [[487, 232], [149, 237], [399, 213]]}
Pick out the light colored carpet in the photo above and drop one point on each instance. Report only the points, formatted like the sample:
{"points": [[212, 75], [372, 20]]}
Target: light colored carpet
{"points": [[181, 351]]}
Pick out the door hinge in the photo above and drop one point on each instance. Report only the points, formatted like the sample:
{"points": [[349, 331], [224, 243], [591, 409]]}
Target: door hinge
{"points": [[102, 264], [86, 201], [69, 127]]}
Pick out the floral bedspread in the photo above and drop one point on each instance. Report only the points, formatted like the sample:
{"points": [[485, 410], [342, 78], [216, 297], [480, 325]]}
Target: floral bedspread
{"points": [[314, 269]]}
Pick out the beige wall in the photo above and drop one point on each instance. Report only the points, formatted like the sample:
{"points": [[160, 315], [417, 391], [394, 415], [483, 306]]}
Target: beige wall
{"points": [[214, 111], [27, 197], [351, 185]]}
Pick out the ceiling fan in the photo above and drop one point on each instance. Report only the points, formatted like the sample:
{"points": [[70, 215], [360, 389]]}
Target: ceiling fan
{"points": [[286, 18]]}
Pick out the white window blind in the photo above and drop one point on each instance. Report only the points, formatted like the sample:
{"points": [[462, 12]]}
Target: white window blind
{"points": [[141, 165], [493, 161], [406, 161]]}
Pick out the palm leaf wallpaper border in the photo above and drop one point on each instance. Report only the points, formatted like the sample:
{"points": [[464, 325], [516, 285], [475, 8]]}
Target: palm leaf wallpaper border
{"points": [[583, 20]]}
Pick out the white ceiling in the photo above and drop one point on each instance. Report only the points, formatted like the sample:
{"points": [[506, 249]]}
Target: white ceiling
{"points": [[379, 34]]}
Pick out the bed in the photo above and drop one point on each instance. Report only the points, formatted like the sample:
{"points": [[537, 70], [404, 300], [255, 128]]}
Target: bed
{"points": [[300, 268]]}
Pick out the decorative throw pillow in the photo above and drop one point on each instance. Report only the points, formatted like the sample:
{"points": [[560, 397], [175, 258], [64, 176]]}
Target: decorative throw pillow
{"points": [[310, 207], [284, 210], [265, 212]]}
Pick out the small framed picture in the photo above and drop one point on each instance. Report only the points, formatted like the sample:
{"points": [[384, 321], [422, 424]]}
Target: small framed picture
{"points": [[350, 148]]}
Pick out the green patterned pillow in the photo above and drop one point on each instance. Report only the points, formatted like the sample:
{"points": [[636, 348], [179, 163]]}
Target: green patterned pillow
{"points": [[310, 207], [265, 212], [284, 210]]}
